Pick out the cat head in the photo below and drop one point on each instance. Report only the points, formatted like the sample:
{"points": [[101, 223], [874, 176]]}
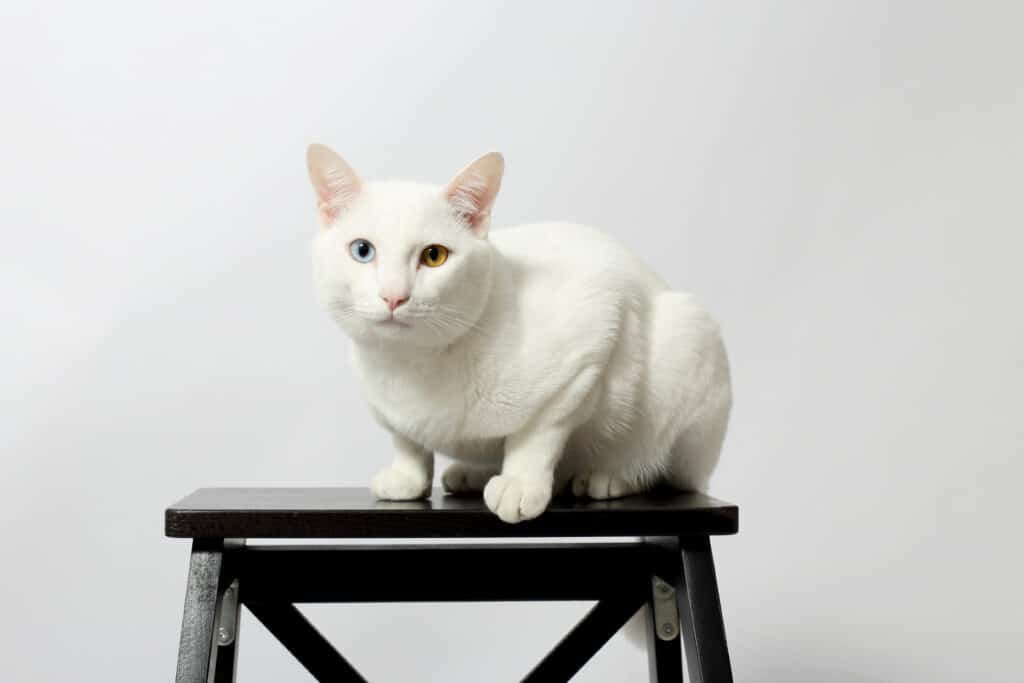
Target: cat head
{"points": [[399, 263]]}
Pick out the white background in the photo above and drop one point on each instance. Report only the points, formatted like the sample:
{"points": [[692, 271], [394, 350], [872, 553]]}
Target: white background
{"points": [[841, 182]]}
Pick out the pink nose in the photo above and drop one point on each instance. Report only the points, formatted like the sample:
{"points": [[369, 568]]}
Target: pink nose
{"points": [[394, 302]]}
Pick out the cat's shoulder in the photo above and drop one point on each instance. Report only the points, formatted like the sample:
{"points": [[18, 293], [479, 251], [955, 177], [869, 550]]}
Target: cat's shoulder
{"points": [[532, 235], [558, 243], [573, 251]]}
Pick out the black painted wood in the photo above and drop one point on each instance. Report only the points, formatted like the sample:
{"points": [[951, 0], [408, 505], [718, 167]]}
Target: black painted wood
{"points": [[197, 623], [466, 572], [707, 653], [588, 636], [354, 513], [305, 643]]}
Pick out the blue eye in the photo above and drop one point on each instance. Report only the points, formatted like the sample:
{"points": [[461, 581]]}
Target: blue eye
{"points": [[362, 251]]}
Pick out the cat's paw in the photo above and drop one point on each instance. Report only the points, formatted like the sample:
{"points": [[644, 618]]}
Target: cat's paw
{"points": [[463, 479], [515, 499], [600, 486], [395, 484]]}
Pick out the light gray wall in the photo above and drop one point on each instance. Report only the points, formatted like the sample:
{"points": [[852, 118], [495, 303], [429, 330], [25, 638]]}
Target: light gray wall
{"points": [[839, 181]]}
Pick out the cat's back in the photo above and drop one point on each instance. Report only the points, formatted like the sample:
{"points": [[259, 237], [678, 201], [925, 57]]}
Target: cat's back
{"points": [[572, 252]]}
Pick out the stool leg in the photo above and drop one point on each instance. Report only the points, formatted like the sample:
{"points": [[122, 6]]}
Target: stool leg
{"points": [[707, 655], [197, 623]]}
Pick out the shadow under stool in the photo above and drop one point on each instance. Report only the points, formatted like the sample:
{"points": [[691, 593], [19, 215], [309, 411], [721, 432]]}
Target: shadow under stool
{"points": [[667, 567]]}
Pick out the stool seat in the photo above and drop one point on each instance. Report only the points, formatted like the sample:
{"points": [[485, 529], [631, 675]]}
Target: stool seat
{"points": [[355, 513], [664, 563]]}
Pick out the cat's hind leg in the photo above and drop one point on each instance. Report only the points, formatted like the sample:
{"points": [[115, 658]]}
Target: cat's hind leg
{"points": [[696, 452], [600, 485], [463, 479], [690, 390]]}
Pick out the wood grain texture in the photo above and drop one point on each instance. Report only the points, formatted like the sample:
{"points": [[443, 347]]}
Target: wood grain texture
{"points": [[197, 623], [354, 513]]}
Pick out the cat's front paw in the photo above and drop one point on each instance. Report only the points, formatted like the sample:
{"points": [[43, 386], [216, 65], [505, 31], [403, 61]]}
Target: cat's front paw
{"points": [[395, 484], [515, 499]]}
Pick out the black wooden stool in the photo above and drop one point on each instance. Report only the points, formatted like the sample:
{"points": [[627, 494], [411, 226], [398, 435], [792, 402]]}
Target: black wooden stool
{"points": [[669, 567]]}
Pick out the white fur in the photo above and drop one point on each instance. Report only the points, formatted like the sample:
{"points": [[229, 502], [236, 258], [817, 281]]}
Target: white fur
{"points": [[543, 357]]}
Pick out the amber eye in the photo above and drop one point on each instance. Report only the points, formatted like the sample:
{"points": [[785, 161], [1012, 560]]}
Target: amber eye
{"points": [[434, 255]]}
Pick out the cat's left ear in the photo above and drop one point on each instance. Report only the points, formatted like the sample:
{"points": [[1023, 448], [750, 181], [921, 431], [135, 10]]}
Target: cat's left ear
{"points": [[473, 190]]}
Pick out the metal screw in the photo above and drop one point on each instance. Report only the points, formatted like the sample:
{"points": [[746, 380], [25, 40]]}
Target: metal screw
{"points": [[663, 588], [223, 635], [668, 629]]}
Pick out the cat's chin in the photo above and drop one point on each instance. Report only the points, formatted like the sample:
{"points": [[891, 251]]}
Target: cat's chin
{"points": [[392, 323], [395, 335], [390, 330]]}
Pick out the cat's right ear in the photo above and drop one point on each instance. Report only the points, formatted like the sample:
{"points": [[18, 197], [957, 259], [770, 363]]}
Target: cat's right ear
{"points": [[473, 190], [335, 182]]}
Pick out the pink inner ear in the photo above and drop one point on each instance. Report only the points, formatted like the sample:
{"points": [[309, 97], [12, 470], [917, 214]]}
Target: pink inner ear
{"points": [[328, 212], [471, 194], [336, 189], [334, 181], [468, 196]]}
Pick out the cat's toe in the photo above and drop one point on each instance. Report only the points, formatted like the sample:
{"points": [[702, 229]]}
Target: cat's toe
{"points": [[395, 484], [617, 488], [515, 499], [579, 485], [601, 486], [502, 497], [463, 479], [534, 500]]}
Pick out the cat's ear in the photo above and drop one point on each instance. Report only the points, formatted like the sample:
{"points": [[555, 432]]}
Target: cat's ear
{"points": [[335, 182], [473, 190]]}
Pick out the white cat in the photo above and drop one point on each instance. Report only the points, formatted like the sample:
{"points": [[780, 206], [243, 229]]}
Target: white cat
{"points": [[540, 358]]}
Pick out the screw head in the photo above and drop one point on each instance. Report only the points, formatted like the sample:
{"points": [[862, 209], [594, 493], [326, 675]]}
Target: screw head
{"points": [[223, 635], [663, 588], [668, 629]]}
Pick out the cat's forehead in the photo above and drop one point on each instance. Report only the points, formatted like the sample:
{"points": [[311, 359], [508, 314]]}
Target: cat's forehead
{"points": [[401, 209]]}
